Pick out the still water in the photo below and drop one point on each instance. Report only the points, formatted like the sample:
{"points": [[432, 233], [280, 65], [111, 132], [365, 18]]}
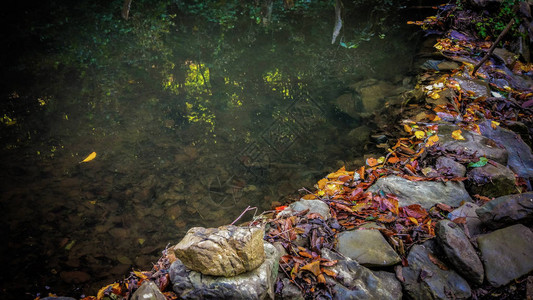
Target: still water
{"points": [[191, 120]]}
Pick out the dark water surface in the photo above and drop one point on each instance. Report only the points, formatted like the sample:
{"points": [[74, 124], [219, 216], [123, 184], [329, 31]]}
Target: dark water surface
{"points": [[192, 121]]}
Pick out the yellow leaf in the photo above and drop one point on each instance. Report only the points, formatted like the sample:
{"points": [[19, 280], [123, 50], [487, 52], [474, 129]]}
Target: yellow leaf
{"points": [[432, 140], [419, 134], [322, 183], [407, 128], [494, 124], [89, 158], [456, 135]]}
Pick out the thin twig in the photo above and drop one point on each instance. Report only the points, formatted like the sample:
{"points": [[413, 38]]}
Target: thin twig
{"points": [[242, 214], [496, 42]]}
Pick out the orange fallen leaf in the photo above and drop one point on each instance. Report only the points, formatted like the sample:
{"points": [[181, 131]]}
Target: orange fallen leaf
{"points": [[437, 262], [432, 140], [89, 157], [313, 267], [393, 159], [371, 162]]}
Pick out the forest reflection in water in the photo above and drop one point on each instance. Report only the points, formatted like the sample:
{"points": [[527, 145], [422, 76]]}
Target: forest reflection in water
{"points": [[214, 121]]}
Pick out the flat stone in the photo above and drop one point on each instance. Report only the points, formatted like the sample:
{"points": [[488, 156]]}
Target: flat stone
{"points": [[354, 281], [473, 144], [425, 193], [423, 279], [492, 180], [459, 251], [507, 210], [368, 247], [224, 251], [314, 206], [472, 226], [520, 156], [148, 291], [255, 284], [506, 253], [479, 87]]}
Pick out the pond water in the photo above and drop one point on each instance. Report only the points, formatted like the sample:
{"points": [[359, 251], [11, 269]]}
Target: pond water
{"points": [[191, 120]]}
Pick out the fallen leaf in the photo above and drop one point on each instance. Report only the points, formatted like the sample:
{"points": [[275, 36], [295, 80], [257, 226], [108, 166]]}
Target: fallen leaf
{"points": [[89, 158], [494, 124], [419, 134], [393, 159], [432, 140], [313, 267], [371, 162], [437, 262], [456, 135], [480, 163]]}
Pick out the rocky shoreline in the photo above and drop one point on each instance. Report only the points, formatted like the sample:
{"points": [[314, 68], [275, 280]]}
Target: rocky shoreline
{"points": [[446, 214]]}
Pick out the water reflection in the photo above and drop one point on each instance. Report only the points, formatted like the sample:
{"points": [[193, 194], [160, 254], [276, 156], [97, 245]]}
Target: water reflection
{"points": [[191, 126]]}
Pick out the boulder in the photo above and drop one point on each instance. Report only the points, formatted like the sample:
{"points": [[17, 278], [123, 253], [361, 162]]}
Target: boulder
{"points": [[367, 247], [373, 93], [480, 88], [224, 251], [255, 284], [354, 281], [520, 156], [425, 193], [314, 206], [448, 166], [506, 254], [148, 291], [472, 224], [459, 251], [473, 144], [423, 279], [347, 103], [507, 210], [491, 180]]}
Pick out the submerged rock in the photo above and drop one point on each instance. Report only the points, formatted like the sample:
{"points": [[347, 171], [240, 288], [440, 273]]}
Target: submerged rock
{"points": [[506, 253], [423, 279], [314, 206], [507, 210], [460, 251], [255, 284], [357, 282], [367, 247], [425, 193], [224, 251]]}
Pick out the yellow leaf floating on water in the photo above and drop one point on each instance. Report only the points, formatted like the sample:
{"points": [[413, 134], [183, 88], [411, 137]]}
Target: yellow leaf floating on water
{"points": [[456, 135], [89, 158]]}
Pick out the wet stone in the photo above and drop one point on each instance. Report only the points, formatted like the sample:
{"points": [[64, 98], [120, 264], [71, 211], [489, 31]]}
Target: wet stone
{"points": [[358, 282], [224, 251], [520, 156], [507, 254], [290, 291], [367, 247], [422, 279], [473, 144], [255, 284], [491, 180], [425, 193], [467, 211], [148, 291], [507, 210], [459, 251], [448, 166], [314, 206], [479, 87]]}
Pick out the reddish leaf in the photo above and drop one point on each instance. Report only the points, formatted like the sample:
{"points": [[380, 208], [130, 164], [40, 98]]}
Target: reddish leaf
{"points": [[313, 267], [414, 210]]}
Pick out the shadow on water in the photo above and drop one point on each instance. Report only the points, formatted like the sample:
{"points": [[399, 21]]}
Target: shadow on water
{"points": [[192, 121]]}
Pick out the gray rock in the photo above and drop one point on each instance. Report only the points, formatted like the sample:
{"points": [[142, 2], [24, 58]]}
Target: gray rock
{"points": [[425, 193], [506, 254], [520, 156], [148, 291], [389, 279], [422, 279], [224, 251], [506, 56], [473, 144], [367, 247], [459, 251], [507, 210], [255, 284], [357, 282], [479, 87], [314, 206], [448, 166], [472, 223], [290, 291], [491, 181]]}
